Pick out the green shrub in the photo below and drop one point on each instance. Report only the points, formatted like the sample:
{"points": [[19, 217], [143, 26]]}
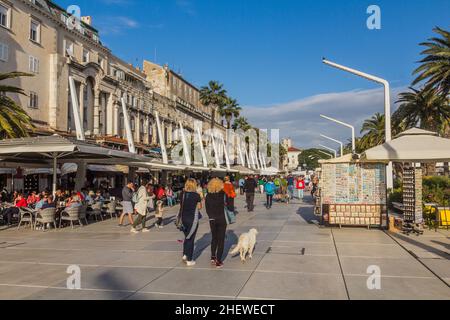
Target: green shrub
{"points": [[436, 190]]}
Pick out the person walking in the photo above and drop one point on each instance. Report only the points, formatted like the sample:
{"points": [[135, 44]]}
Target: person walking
{"points": [[269, 188], [300, 186], [241, 185], [261, 184], [228, 188], [249, 189], [141, 206], [291, 186], [127, 205], [170, 196], [191, 202], [215, 208]]}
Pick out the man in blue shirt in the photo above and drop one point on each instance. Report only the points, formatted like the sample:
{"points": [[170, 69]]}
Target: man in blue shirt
{"points": [[241, 185], [291, 184]]}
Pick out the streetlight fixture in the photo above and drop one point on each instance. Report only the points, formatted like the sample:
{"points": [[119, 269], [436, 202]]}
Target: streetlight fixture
{"points": [[337, 141], [346, 125], [324, 153], [329, 149], [387, 107]]}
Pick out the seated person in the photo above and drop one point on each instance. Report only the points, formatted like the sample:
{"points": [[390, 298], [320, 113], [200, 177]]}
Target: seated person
{"points": [[74, 201], [40, 203], [32, 198], [99, 197], [19, 202], [49, 203], [90, 197]]}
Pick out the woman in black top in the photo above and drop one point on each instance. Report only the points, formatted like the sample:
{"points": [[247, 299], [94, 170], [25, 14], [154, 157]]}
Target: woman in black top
{"points": [[191, 202], [215, 208]]}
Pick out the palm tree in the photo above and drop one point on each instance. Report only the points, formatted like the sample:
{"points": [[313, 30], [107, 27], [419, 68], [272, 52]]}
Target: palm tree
{"points": [[241, 123], [373, 131], [213, 95], [230, 110], [423, 108], [435, 68], [14, 121]]}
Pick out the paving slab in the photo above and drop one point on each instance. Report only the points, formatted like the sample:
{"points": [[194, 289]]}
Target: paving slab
{"points": [[405, 267], [300, 264], [395, 288], [200, 282], [117, 279], [267, 285], [371, 250]]}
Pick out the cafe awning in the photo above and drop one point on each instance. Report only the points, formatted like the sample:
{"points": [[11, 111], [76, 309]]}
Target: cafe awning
{"points": [[414, 145]]}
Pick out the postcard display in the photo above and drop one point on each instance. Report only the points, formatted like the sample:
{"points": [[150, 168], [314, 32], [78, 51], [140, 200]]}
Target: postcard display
{"points": [[354, 194], [412, 195]]}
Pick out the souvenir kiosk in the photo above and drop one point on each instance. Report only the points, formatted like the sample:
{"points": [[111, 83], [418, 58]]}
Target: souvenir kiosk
{"points": [[412, 148], [353, 193]]}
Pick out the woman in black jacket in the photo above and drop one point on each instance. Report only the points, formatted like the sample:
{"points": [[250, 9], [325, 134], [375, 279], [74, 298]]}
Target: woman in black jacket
{"points": [[215, 208]]}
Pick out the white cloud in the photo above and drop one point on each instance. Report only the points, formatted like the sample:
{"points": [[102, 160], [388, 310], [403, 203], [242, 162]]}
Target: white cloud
{"points": [[116, 25], [300, 120], [186, 6]]}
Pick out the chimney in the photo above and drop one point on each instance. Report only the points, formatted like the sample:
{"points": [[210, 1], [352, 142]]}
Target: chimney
{"points": [[87, 20]]}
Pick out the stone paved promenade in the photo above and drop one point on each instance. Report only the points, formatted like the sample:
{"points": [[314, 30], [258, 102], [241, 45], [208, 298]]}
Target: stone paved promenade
{"points": [[294, 259]]}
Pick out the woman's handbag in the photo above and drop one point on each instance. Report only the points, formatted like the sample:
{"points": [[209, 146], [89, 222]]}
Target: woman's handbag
{"points": [[179, 219], [230, 217]]}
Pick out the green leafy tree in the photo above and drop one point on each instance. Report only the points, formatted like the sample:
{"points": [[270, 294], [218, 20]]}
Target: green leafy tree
{"points": [[14, 121], [311, 157], [435, 67]]}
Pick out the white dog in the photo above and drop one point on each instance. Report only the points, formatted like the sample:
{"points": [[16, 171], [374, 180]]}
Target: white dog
{"points": [[246, 245]]}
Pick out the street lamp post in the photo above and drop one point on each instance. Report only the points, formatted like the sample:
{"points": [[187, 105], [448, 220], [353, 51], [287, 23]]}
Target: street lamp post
{"points": [[329, 149], [334, 140], [324, 153], [348, 126], [387, 107]]}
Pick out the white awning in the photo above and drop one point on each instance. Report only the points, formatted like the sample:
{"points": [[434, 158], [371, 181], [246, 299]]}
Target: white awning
{"points": [[414, 145]]}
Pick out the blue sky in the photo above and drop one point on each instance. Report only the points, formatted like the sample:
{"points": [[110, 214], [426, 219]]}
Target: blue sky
{"points": [[268, 52]]}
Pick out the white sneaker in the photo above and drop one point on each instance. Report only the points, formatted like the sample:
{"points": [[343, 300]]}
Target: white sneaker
{"points": [[145, 230], [133, 230], [190, 263], [160, 227], [185, 258]]}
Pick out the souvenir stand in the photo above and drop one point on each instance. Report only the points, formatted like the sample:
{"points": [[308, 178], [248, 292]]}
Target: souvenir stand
{"points": [[412, 148], [353, 193]]}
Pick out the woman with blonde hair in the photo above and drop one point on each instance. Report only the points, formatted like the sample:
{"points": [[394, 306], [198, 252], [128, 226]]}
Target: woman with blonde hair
{"points": [[191, 202], [215, 208]]}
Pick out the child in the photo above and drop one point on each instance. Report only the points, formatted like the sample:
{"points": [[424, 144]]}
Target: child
{"points": [[159, 212]]}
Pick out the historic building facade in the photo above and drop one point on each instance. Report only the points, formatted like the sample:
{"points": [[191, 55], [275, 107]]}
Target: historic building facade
{"points": [[39, 37]]}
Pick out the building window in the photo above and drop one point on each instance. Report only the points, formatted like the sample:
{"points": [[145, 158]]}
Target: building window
{"points": [[68, 48], [133, 124], [85, 56], [4, 52], [34, 64], [33, 100], [101, 62], [150, 132], [4, 16], [35, 31]]}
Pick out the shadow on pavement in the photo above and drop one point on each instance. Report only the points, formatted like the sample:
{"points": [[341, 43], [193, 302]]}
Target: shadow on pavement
{"points": [[230, 239], [421, 245]]}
